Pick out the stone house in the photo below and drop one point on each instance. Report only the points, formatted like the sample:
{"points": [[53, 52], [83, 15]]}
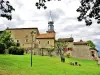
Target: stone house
{"points": [[79, 49]]}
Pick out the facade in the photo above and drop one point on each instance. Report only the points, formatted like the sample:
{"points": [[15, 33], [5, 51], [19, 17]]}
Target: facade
{"points": [[32, 38], [79, 49], [25, 36]]}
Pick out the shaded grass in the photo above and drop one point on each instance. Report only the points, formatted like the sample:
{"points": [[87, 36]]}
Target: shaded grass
{"points": [[44, 65]]}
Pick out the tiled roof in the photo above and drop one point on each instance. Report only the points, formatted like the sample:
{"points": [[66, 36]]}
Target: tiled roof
{"points": [[80, 43], [20, 28], [94, 49], [46, 35], [66, 39]]}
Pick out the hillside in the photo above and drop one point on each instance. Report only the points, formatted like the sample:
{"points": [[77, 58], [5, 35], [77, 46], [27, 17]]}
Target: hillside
{"points": [[44, 65]]}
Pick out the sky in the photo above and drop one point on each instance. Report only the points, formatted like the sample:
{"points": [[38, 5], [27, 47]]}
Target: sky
{"points": [[63, 13]]}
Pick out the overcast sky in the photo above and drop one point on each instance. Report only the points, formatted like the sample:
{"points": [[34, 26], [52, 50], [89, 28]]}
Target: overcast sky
{"points": [[63, 13]]}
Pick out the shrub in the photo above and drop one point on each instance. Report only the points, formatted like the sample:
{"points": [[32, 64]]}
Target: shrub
{"points": [[2, 48], [16, 50], [20, 51], [68, 55]]}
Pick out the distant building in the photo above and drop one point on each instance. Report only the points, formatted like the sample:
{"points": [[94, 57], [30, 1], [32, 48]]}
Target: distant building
{"points": [[79, 49]]}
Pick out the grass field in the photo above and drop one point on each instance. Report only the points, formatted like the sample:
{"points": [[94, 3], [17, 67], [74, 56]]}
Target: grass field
{"points": [[44, 65]]}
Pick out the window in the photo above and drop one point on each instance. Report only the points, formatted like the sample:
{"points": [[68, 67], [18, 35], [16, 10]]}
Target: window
{"points": [[26, 40], [92, 53], [17, 40], [48, 42], [39, 42]]}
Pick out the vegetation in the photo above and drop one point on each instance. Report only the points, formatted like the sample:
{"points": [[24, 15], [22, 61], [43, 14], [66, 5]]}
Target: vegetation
{"points": [[6, 42], [91, 44], [20, 65], [6, 9], [2, 48], [60, 47], [16, 50], [89, 9]]}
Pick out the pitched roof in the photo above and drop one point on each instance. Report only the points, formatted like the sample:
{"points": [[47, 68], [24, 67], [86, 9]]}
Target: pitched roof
{"points": [[20, 28], [46, 36], [66, 39], [94, 49], [80, 43]]}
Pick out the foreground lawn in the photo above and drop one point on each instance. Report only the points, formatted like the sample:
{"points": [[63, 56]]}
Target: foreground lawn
{"points": [[44, 65]]}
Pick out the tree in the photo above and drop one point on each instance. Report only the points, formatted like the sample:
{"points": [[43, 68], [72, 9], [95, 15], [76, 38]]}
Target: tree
{"points": [[5, 38], [91, 44], [6, 9], [60, 46], [41, 3], [89, 9]]}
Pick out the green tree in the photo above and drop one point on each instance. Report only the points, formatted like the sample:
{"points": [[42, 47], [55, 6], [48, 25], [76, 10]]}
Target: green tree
{"points": [[60, 47], [91, 44], [5, 38]]}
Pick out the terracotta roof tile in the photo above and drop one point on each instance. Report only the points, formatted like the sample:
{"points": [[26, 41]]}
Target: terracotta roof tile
{"points": [[46, 35]]}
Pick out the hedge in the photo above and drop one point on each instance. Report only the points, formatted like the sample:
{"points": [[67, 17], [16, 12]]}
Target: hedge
{"points": [[2, 48], [16, 50]]}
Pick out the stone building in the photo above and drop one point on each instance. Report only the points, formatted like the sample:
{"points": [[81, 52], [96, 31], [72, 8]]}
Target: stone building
{"points": [[32, 38], [79, 49], [25, 36]]}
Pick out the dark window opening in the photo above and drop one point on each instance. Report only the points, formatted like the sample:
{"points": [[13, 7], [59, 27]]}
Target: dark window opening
{"points": [[17, 40], [26, 40], [39, 42], [48, 42]]}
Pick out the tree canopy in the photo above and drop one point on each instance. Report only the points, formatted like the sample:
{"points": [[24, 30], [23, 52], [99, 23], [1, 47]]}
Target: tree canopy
{"points": [[5, 37], [91, 44], [89, 9], [6, 9]]}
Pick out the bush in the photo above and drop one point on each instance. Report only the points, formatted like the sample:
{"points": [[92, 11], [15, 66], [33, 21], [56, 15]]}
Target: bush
{"points": [[2, 48], [16, 50], [68, 55]]}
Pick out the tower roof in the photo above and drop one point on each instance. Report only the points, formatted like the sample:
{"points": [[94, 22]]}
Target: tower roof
{"points": [[50, 21]]}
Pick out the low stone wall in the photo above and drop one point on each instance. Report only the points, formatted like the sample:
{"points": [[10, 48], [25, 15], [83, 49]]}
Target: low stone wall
{"points": [[43, 52]]}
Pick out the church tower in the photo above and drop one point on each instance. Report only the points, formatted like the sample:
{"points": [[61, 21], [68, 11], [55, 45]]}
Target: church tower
{"points": [[50, 25]]}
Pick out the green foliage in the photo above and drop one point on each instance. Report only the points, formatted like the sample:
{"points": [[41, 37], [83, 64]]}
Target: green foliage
{"points": [[16, 50], [5, 38], [91, 44], [68, 55], [2, 48]]}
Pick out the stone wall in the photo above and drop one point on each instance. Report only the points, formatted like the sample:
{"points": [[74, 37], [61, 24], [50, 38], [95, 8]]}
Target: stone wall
{"points": [[81, 51], [43, 52]]}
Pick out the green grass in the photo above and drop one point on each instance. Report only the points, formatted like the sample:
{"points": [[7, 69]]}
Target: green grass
{"points": [[44, 65]]}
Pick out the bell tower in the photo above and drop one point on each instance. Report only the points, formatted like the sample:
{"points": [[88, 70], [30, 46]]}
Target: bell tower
{"points": [[50, 25]]}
